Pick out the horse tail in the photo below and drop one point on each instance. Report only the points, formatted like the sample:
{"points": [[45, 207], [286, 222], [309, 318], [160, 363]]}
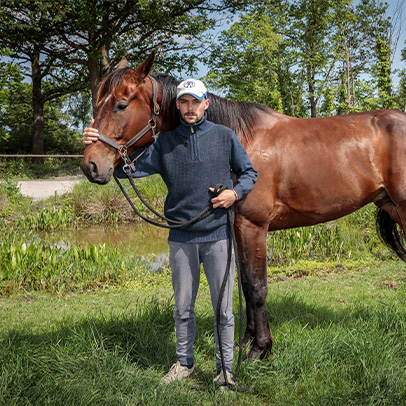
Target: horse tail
{"points": [[389, 232]]}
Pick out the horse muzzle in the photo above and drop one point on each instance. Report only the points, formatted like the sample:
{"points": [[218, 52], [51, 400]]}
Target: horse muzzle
{"points": [[100, 174]]}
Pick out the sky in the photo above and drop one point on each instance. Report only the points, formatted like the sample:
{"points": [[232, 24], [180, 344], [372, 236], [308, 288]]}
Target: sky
{"points": [[397, 63], [392, 6]]}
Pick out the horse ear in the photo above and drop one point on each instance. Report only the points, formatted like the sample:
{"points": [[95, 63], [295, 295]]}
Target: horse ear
{"points": [[123, 63], [144, 68]]}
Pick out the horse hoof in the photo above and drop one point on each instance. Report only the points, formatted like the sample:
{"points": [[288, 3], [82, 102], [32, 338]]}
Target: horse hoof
{"points": [[257, 354]]}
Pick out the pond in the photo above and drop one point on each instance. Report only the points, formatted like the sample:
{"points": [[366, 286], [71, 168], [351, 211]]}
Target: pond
{"points": [[140, 238]]}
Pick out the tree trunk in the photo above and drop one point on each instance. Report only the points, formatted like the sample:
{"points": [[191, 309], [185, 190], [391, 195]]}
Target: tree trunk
{"points": [[312, 90], [94, 80], [105, 67], [37, 108]]}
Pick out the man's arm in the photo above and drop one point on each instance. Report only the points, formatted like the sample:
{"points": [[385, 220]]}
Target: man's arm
{"points": [[242, 167], [245, 173]]}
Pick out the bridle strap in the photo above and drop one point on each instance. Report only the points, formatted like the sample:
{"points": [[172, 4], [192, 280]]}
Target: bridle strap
{"points": [[122, 149]]}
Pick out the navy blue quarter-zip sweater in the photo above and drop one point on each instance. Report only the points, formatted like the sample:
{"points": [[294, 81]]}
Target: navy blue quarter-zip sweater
{"points": [[190, 159]]}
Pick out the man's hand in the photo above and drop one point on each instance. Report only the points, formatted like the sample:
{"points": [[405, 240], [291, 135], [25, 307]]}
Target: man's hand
{"points": [[90, 134], [225, 199]]}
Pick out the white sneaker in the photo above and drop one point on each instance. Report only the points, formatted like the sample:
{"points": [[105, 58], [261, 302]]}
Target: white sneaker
{"points": [[220, 378], [178, 373]]}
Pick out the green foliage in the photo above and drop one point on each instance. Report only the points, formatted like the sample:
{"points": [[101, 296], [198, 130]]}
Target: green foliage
{"points": [[307, 57], [245, 61], [11, 200], [17, 127], [33, 265], [24, 168], [382, 71], [106, 203], [342, 243], [46, 219], [152, 187], [352, 238]]}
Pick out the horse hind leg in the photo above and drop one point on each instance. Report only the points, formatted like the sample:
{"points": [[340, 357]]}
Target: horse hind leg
{"points": [[390, 221]]}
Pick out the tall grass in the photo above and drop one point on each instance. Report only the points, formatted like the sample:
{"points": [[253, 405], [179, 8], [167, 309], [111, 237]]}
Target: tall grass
{"points": [[29, 264], [102, 203], [352, 238], [338, 340], [24, 168]]}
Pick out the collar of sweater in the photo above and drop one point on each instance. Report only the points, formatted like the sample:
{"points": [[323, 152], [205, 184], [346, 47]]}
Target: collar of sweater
{"points": [[200, 127]]}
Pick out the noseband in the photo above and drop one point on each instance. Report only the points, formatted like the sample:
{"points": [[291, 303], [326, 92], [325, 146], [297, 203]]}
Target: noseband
{"points": [[122, 149]]}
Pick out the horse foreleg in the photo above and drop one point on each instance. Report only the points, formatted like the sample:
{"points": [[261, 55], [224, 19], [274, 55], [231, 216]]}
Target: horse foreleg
{"points": [[251, 241]]}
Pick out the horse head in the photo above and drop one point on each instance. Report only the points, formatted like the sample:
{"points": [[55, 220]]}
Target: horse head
{"points": [[127, 118]]}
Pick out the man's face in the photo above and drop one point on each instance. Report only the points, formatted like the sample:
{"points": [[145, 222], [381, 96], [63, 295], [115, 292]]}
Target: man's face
{"points": [[191, 109]]}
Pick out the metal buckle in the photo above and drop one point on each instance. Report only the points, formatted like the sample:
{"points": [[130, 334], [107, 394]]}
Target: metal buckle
{"points": [[151, 120], [123, 151]]}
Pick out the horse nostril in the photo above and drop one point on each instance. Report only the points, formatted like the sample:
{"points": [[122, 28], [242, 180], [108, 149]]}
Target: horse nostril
{"points": [[91, 170]]}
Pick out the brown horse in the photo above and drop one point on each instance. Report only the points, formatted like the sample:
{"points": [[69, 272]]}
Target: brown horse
{"points": [[310, 170]]}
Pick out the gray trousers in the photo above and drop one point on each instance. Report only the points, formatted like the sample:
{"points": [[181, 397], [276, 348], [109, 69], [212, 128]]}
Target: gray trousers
{"points": [[185, 260]]}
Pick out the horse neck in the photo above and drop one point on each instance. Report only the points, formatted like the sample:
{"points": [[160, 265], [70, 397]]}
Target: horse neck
{"points": [[168, 121], [168, 118]]}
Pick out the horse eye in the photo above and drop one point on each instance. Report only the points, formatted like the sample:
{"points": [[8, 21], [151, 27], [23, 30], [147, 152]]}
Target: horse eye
{"points": [[121, 106]]}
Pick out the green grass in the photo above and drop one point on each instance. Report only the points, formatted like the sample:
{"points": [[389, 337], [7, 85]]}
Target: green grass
{"points": [[89, 325], [87, 203], [338, 340]]}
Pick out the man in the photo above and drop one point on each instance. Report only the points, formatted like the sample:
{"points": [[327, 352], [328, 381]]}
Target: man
{"points": [[192, 159]]}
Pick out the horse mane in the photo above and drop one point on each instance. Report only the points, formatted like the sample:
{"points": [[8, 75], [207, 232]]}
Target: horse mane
{"points": [[241, 117]]}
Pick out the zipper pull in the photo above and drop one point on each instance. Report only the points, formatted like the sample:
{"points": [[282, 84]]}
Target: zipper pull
{"points": [[192, 130]]}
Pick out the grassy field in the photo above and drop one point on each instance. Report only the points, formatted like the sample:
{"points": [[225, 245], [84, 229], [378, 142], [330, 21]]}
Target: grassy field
{"points": [[88, 325], [338, 340]]}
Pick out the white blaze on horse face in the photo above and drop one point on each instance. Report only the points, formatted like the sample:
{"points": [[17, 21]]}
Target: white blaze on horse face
{"points": [[107, 99]]}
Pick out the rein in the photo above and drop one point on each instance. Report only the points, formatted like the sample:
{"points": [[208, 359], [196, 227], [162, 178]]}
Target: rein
{"points": [[172, 224]]}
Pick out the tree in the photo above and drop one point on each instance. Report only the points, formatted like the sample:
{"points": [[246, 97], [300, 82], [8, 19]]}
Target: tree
{"points": [[333, 55], [252, 61], [13, 121], [66, 45], [97, 33], [311, 29], [400, 96], [246, 62], [26, 29]]}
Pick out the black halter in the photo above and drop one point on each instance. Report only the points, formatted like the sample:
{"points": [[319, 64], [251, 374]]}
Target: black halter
{"points": [[122, 149]]}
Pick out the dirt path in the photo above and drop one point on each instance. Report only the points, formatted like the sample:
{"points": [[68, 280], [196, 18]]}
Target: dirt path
{"points": [[45, 188]]}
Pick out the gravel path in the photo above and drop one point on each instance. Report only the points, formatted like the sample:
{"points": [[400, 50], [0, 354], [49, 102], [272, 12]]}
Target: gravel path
{"points": [[45, 188]]}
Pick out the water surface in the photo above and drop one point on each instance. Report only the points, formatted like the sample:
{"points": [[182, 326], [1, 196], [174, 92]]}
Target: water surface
{"points": [[141, 238]]}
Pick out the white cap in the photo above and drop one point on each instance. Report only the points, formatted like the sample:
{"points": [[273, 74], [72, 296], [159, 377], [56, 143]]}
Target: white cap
{"points": [[194, 87]]}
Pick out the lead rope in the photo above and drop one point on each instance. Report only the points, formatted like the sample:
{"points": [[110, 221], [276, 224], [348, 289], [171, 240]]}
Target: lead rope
{"points": [[231, 244]]}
